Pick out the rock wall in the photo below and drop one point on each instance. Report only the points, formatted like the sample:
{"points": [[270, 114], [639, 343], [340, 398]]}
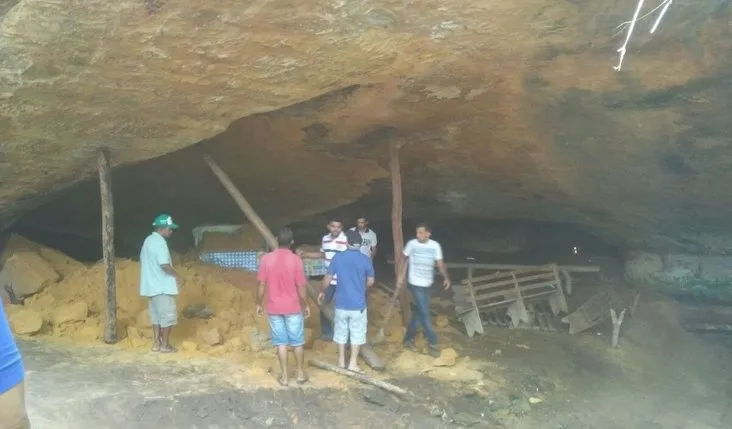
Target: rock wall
{"points": [[506, 109], [682, 274]]}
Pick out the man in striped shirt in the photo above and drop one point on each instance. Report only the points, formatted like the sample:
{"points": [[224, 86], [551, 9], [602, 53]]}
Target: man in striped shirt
{"points": [[332, 243]]}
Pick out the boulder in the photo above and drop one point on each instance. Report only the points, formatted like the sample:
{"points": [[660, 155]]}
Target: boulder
{"points": [[25, 321], [448, 357], [209, 336], [28, 273], [254, 339], [70, 313]]}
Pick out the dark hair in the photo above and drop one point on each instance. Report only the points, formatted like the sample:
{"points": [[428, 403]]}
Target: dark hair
{"points": [[335, 219], [285, 237], [424, 225], [363, 217]]}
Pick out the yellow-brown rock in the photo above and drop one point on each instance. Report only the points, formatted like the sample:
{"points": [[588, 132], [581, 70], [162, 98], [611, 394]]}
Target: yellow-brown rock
{"points": [[506, 109], [25, 321]]}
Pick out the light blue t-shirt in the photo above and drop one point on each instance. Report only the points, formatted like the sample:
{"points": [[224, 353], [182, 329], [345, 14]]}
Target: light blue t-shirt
{"points": [[11, 364], [422, 259], [153, 280]]}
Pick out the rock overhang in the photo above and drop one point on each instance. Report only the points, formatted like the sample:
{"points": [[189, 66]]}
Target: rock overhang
{"points": [[508, 109]]}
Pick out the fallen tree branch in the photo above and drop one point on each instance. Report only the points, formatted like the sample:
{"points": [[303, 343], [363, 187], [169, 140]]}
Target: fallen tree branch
{"points": [[363, 378]]}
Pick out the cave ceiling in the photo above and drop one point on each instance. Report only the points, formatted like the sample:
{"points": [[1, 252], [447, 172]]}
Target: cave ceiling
{"points": [[505, 109]]}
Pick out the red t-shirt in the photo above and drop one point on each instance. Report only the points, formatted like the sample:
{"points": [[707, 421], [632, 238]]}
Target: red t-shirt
{"points": [[283, 272]]}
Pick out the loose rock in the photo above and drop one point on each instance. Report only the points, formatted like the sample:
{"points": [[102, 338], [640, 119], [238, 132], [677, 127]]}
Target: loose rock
{"points": [[25, 321], [68, 313]]}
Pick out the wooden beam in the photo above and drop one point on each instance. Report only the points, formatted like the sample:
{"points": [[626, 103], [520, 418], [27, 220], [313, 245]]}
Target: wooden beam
{"points": [[110, 289], [242, 202], [568, 268], [363, 378], [396, 227]]}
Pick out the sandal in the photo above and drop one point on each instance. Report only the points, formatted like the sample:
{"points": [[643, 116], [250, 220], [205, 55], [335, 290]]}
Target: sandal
{"points": [[168, 349], [302, 381], [281, 382], [357, 371], [155, 348]]}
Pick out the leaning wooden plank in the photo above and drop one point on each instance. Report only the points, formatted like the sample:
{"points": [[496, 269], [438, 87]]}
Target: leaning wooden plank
{"points": [[367, 352], [363, 378], [242, 202]]}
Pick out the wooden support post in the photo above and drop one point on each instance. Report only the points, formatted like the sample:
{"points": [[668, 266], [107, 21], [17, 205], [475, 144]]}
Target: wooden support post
{"points": [[617, 321], [363, 378], [242, 202], [396, 228], [110, 290]]}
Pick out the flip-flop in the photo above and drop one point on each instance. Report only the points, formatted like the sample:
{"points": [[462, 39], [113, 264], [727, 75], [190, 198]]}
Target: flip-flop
{"points": [[281, 383], [358, 371], [168, 350], [302, 380], [155, 348]]}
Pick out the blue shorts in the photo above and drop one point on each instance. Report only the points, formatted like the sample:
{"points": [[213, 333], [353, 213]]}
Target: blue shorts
{"points": [[350, 324], [287, 329]]}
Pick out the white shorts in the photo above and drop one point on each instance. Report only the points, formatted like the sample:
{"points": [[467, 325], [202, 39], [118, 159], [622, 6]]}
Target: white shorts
{"points": [[350, 323]]}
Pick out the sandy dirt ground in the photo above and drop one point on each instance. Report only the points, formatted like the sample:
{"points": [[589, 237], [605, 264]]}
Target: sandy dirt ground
{"points": [[524, 379]]}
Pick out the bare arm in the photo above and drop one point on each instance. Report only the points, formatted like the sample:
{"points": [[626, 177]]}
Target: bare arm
{"points": [[326, 282], [261, 288], [370, 281], [311, 255], [303, 294], [373, 252], [169, 270], [443, 271]]}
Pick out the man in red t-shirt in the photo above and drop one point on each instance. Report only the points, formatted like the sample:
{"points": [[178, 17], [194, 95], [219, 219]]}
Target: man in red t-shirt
{"points": [[282, 275]]}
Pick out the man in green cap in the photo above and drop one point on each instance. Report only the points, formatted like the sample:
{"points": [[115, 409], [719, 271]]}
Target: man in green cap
{"points": [[159, 282]]}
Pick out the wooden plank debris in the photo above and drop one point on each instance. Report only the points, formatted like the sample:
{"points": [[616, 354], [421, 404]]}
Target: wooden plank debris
{"points": [[363, 378]]}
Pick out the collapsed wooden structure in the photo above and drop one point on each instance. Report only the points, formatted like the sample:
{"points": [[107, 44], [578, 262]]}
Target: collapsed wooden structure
{"points": [[509, 290]]}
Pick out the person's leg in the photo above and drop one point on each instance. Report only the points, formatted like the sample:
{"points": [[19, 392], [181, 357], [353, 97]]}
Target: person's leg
{"points": [[168, 318], [13, 413], [326, 326], [426, 319], [357, 326], [295, 324], [155, 321], [340, 335], [278, 333], [411, 333]]}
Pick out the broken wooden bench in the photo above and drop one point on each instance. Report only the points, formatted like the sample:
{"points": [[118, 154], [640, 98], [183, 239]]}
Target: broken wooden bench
{"points": [[504, 289]]}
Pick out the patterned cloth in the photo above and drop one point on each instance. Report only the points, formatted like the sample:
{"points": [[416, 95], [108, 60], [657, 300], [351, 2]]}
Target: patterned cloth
{"points": [[249, 261]]}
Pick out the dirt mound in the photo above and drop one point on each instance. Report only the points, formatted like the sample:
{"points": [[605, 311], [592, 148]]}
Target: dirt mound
{"points": [[62, 263], [246, 238]]}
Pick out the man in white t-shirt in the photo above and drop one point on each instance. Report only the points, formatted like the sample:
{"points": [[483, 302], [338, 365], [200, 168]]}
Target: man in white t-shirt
{"points": [[368, 237], [421, 256]]}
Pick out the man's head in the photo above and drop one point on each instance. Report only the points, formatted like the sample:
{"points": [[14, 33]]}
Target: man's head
{"points": [[335, 226], [285, 238], [362, 223], [354, 239], [424, 232], [164, 225]]}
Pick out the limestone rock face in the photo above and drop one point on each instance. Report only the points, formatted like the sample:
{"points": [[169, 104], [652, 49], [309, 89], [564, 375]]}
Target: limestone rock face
{"points": [[506, 108], [681, 274]]}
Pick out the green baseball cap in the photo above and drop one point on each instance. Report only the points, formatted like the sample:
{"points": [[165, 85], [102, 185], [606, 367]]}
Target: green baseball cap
{"points": [[164, 221]]}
